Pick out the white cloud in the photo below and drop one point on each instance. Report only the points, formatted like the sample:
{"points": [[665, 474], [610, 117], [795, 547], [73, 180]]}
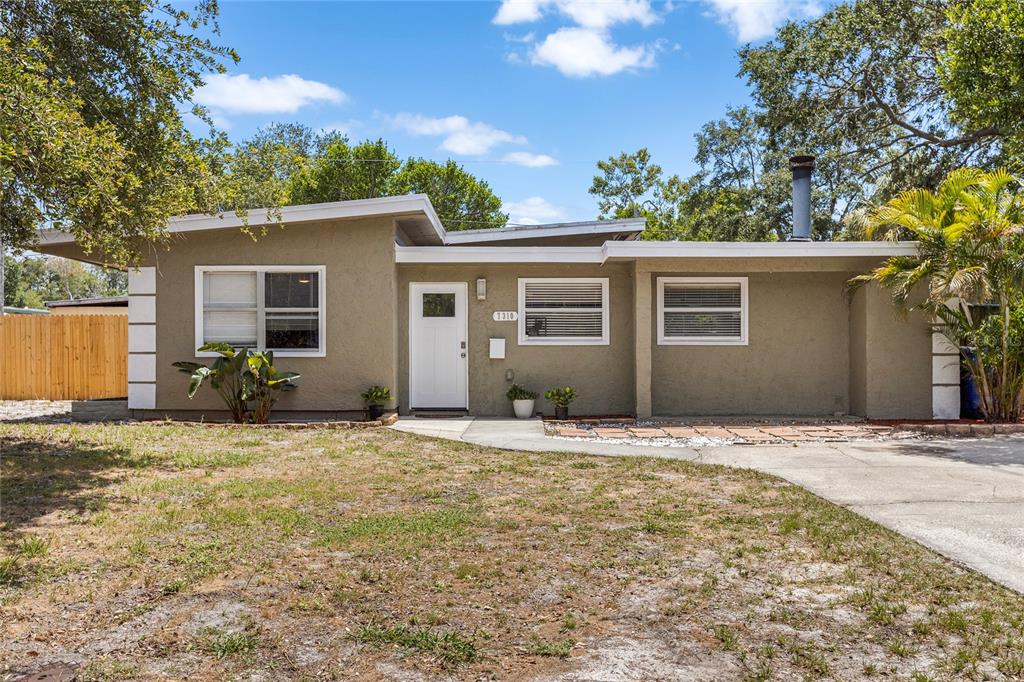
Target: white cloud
{"points": [[588, 13], [242, 94], [461, 136], [603, 14], [533, 211], [755, 20], [518, 11], [583, 52], [530, 160]]}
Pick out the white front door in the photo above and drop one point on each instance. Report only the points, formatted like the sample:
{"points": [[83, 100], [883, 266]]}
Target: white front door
{"points": [[438, 339]]}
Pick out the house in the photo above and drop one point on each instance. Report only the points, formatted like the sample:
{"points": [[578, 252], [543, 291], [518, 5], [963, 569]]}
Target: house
{"points": [[105, 305], [376, 291]]}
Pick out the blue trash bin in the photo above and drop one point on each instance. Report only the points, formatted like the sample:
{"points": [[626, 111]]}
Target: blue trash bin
{"points": [[970, 396]]}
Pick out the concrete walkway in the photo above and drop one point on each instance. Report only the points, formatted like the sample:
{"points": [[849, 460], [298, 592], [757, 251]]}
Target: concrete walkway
{"points": [[962, 498]]}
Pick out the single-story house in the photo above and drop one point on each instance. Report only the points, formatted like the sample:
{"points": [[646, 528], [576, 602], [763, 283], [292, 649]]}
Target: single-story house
{"points": [[356, 293], [103, 305]]}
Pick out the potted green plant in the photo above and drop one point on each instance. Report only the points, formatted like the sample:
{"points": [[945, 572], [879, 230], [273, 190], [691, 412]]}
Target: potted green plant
{"points": [[560, 398], [522, 401], [375, 398]]}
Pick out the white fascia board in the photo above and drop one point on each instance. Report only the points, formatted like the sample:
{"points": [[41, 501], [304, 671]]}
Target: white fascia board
{"points": [[630, 250], [498, 254], [358, 208], [544, 231]]}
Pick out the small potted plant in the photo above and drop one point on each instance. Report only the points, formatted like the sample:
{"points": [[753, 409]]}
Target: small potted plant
{"points": [[375, 398], [522, 401], [560, 398]]}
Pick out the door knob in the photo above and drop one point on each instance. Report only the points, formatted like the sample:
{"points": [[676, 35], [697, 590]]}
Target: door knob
{"points": [[462, 355]]}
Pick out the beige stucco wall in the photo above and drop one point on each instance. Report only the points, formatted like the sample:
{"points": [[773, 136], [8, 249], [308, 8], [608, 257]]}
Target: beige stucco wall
{"points": [[360, 308], [603, 375], [796, 363], [890, 359]]}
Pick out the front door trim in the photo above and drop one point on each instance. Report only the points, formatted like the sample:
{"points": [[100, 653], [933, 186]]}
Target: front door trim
{"points": [[415, 289]]}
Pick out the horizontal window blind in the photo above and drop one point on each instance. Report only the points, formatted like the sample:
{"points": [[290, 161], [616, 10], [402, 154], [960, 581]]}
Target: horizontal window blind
{"points": [[702, 311], [692, 296], [718, 325], [568, 310]]}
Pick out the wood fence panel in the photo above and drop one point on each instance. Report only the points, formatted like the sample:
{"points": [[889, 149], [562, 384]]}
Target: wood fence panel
{"points": [[63, 357]]}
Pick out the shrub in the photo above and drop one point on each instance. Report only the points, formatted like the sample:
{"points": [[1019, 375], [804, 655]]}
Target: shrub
{"points": [[517, 392], [561, 397], [240, 376], [377, 395]]}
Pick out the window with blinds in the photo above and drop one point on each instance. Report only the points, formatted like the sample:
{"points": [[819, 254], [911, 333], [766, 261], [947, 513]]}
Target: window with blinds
{"points": [[704, 311], [563, 311], [276, 308]]}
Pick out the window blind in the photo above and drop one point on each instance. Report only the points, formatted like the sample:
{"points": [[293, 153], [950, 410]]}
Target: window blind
{"points": [[564, 310]]}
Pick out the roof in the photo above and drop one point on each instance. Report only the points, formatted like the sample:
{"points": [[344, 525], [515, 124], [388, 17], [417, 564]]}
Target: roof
{"points": [[633, 250], [11, 310], [110, 301], [612, 230], [417, 219], [418, 223]]}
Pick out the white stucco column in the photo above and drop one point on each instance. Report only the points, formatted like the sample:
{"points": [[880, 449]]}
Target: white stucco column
{"points": [[142, 339], [642, 336], [945, 378]]}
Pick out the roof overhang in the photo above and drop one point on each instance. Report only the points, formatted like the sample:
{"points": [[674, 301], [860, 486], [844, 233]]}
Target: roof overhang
{"points": [[105, 301], [643, 250], [632, 250], [612, 230], [416, 218]]}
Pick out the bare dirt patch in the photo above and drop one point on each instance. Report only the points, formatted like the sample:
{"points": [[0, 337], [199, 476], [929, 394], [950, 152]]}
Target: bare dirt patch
{"points": [[157, 551]]}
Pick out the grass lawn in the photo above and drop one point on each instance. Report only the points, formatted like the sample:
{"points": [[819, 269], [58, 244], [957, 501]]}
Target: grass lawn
{"points": [[150, 550]]}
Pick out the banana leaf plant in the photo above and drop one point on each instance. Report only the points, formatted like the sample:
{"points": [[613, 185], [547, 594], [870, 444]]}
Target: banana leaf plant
{"points": [[240, 376], [262, 383]]}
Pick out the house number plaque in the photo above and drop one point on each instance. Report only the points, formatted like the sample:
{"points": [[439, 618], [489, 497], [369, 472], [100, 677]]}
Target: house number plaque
{"points": [[505, 316]]}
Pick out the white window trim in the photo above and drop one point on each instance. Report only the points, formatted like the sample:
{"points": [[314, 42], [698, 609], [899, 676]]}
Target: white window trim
{"points": [[744, 338], [606, 313], [321, 271]]}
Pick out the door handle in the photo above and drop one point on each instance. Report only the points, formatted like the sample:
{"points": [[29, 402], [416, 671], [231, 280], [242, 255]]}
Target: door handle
{"points": [[462, 345]]}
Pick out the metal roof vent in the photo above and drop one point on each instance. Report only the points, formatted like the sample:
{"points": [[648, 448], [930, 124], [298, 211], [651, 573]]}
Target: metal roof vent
{"points": [[802, 168]]}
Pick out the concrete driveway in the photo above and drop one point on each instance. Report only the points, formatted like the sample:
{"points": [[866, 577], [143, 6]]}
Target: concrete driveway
{"points": [[962, 498]]}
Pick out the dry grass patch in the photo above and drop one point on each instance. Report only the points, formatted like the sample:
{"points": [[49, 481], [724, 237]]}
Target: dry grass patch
{"points": [[148, 550]]}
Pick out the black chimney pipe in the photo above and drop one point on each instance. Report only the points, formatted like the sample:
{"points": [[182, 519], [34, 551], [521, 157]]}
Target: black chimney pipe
{"points": [[802, 167]]}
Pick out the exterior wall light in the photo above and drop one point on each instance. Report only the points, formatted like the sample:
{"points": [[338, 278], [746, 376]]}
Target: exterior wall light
{"points": [[481, 289]]}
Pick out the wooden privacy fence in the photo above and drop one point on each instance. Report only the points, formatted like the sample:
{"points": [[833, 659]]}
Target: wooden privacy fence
{"points": [[63, 357]]}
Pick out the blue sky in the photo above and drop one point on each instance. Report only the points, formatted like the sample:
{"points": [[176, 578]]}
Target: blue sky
{"points": [[527, 94]]}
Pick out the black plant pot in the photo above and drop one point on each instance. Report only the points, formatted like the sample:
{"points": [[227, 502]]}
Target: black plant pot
{"points": [[376, 411], [561, 412]]}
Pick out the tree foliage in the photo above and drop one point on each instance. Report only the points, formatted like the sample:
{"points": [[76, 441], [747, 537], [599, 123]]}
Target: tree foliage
{"points": [[286, 164], [970, 234], [91, 132], [33, 280], [887, 94]]}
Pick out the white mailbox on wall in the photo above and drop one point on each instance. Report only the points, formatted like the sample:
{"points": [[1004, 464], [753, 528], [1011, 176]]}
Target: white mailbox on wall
{"points": [[497, 349]]}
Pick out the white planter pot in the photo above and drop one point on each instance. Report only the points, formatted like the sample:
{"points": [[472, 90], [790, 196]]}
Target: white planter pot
{"points": [[523, 408]]}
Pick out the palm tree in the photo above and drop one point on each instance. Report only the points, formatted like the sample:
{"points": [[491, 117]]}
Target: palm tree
{"points": [[969, 272]]}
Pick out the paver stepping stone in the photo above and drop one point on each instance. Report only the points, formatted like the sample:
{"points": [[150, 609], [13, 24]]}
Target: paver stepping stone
{"points": [[753, 435], [610, 433], [573, 433], [680, 431], [713, 432], [641, 432]]}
